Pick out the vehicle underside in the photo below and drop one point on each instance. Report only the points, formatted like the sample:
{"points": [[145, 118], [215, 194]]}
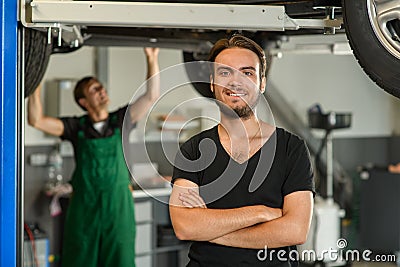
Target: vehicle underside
{"points": [[372, 27]]}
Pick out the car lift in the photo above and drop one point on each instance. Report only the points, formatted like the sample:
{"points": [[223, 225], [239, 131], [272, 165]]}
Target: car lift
{"points": [[70, 15], [64, 19]]}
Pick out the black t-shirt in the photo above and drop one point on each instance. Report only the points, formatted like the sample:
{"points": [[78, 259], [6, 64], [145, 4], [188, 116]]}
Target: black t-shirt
{"points": [[280, 167], [72, 125]]}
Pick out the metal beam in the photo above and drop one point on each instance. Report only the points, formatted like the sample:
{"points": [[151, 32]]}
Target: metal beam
{"points": [[8, 134], [297, 24], [44, 13], [172, 15]]}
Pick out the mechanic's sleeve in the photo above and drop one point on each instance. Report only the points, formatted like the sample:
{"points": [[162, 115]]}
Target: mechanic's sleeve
{"points": [[299, 172], [185, 165], [71, 128], [124, 118]]}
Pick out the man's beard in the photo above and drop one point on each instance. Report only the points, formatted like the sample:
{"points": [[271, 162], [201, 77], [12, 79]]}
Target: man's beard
{"points": [[244, 112]]}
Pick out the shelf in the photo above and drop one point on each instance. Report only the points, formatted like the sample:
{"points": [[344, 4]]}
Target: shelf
{"points": [[154, 192], [144, 254]]}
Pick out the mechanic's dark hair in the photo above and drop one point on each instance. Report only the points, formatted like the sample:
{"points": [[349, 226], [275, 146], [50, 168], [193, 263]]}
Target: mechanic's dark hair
{"points": [[80, 87], [240, 41]]}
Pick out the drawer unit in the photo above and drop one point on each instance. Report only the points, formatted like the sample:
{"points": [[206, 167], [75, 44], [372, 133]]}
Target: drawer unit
{"points": [[143, 211], [143, 238]]}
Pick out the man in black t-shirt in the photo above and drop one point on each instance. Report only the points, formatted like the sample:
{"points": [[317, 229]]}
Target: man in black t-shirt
{"points": [[243, 190], [100, 221]]}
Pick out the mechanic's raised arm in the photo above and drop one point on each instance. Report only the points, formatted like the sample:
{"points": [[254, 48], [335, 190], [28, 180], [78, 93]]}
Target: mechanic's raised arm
{"points": [[140, 107], [37, 119], [290, 229], [192, 220]]}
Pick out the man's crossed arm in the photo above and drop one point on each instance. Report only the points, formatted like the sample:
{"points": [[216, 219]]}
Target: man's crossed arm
{"points": [[247, 227]]}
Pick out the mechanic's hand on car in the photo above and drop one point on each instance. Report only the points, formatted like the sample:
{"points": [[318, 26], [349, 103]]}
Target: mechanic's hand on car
{"points": [[151, 51], [394, 168]]}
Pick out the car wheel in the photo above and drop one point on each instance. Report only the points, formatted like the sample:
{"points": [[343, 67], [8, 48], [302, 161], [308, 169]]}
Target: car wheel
{"points": [[201, 71], [37, 54], [373, 30], [198, 72]]}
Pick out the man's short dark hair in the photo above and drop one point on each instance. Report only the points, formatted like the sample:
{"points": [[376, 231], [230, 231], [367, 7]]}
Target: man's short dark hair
{"points": [[239, 41], [80, 88]]}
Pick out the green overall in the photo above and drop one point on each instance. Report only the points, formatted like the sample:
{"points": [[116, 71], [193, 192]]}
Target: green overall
{"points": [[100, 223]]}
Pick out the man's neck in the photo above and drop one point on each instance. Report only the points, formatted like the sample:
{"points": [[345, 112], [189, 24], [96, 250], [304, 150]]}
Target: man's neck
{"points": [[98, 115], [238, 128]]}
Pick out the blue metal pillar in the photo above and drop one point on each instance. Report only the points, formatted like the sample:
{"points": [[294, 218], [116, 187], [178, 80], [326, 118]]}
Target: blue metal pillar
{"points": [[8, 133]]}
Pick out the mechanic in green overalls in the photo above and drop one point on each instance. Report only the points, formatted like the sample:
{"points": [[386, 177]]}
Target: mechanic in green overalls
{"points": [[100, 222]]}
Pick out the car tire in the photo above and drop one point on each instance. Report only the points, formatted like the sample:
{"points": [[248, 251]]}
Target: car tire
{"points": [[37, 54], [198, 72], [201, 71], [382, 66]]}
